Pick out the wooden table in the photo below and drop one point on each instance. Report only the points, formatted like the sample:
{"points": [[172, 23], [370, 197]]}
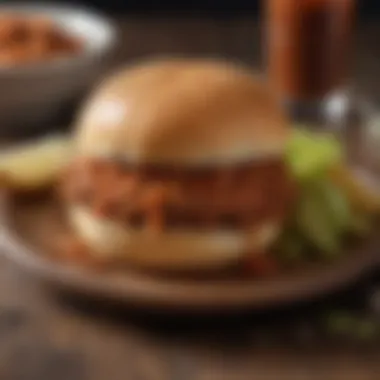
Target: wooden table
{"points": [[45, 337]]}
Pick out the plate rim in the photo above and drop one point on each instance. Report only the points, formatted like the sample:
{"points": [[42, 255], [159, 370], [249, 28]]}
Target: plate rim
{"points": [[144, 290]]}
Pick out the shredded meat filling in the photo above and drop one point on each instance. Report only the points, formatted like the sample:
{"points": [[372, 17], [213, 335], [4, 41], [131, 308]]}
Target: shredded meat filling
{"points": [[159, 197]]}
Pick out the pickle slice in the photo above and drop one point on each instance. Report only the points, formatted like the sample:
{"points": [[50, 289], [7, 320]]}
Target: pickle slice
{"points": [[315, 223], [35, 164], [336, 205], [310, 154], [333, 201]]}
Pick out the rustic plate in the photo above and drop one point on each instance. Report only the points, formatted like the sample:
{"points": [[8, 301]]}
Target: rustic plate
{"points": [[31, 229]]}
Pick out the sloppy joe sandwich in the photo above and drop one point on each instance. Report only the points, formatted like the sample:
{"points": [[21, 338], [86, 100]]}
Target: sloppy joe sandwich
{"points": [[180, 165], [192, 165]]}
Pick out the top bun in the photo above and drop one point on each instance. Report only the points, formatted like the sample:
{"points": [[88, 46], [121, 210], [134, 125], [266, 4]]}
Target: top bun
{"points": [[182, 111]]}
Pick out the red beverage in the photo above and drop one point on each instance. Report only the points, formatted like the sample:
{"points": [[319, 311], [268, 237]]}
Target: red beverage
{"points": [[308, 46]]}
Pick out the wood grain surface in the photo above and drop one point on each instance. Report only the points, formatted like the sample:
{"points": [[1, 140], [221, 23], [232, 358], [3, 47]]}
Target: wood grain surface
{"points": [[43, 336]]}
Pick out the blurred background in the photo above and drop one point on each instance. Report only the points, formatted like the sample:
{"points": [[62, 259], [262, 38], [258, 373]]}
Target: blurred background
{"points": [[228, 28], [367, 8]]}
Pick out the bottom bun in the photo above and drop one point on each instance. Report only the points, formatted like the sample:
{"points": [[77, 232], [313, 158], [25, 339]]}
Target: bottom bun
{"points": [[168, 250]]}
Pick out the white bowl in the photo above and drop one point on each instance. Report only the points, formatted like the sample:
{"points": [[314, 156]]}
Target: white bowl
{"points": [[31, 95]]}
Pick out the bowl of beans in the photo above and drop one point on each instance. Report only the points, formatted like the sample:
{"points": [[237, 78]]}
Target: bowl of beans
{"points": [[49, 56]]}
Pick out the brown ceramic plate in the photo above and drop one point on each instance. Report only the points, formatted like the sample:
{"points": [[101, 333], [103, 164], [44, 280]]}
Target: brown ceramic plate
{"points": [[31, 229]]}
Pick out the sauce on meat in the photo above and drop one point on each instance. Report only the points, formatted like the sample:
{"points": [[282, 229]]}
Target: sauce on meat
{"points": [[160, 197]]}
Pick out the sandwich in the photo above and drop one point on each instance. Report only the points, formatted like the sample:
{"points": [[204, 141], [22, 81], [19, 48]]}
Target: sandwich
{"points": [[192, 165], [179, 165]]}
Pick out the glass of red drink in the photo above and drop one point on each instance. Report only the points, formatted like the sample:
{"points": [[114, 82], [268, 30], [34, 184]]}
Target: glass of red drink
{"points": [[308, 53]]}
